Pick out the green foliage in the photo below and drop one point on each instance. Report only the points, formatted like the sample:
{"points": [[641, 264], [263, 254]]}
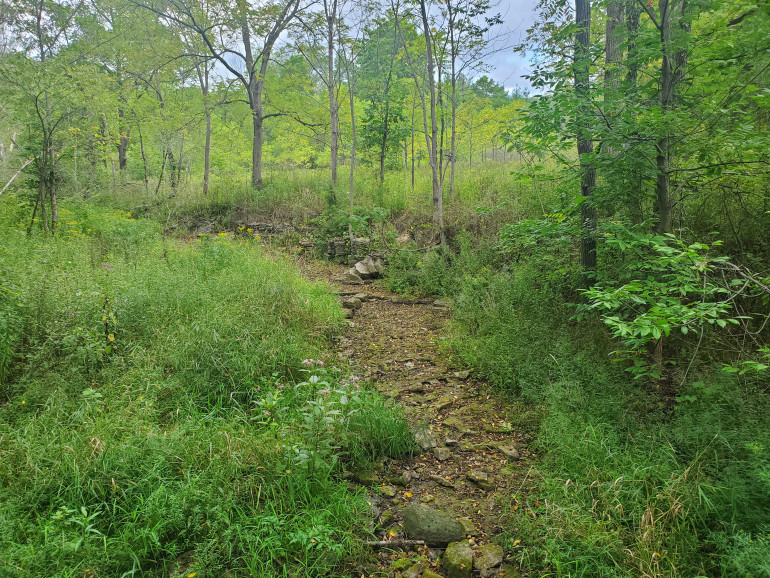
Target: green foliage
{"points": [[436, 272], [663, 284], [149, 407]]}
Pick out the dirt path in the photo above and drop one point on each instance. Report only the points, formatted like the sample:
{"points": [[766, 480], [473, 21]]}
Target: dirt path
{"points": [[474, 462]]}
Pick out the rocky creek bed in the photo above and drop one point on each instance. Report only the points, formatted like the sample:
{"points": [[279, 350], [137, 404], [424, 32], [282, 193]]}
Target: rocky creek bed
{"points": [[471, 475]]}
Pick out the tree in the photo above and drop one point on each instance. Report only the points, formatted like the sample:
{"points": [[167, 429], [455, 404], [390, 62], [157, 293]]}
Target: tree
{"points": [[381, 71], [422, 77], [49, 88], [231, 29], [585, 145], [466, 23]]}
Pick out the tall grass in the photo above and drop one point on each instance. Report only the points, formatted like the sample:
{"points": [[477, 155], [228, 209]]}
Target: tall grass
{"points": [[154, 404]]}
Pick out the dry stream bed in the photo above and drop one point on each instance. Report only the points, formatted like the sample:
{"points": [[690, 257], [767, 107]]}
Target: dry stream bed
{"points": [[473, 468]]}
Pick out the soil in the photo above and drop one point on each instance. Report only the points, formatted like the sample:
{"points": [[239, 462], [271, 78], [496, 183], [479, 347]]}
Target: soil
{"points": [[473, 463]]}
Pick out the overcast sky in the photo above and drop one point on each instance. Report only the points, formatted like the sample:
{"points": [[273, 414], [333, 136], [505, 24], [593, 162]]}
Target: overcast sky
{"points": [[507, 66]]}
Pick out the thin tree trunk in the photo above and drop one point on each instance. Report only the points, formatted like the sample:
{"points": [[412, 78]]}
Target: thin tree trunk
{"points": [[162, 169], [106, 131], [180, 162], [663, 157], [207, 154], [585, 145], [470, 143], [123, 143], [384, 143], [144, 159], [438, 201], [331, 16], [414, 106]]}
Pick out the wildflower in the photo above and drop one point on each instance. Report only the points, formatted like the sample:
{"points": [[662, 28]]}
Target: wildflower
{"points": [[324, 391], [308, 362], [319, 363]]}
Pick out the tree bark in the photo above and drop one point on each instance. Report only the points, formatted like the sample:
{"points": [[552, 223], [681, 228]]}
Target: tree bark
{"points": [[585, 145], [123, 142], [663, 146], [438, 201], [414, 106], [331, 17]]}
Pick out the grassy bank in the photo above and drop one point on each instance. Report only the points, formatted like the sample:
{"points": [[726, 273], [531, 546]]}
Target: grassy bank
{"points": [[155, 411], [631, 481]]}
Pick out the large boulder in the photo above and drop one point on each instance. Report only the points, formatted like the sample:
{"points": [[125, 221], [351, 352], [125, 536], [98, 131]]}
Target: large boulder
{"points": [[362, 270], [434, 527]]}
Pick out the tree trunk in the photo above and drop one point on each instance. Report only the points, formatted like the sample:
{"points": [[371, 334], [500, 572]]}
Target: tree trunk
{"points": [[612, 58], [632, 13], [207, 154], [108, 148], [384, 143], [585, 145], [663, 157], [331, 16], [414, 106], [144, 159], [123, 142], [438, 201]]}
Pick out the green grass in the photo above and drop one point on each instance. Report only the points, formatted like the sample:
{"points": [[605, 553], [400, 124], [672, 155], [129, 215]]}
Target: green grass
{"points": [[155, 411]]}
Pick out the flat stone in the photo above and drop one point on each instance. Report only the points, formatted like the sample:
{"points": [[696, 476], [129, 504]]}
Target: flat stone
{"points": [[352, 278], [465, 374], [509, 571], [351, 303], [442, 482], [428, 524], [468, 526], [508, 450], [481, 479], [487, 556], [425, 439], [431, 574], [363, 297], [443, 303], [456, 422], [388, 491], [387, 518], [458, 560], [442, 403], [365, 477], [416, 569], [442, 454], [450, 442]]}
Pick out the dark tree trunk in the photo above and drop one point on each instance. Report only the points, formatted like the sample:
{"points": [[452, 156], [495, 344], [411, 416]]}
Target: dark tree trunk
{"points": [[585, 145]]}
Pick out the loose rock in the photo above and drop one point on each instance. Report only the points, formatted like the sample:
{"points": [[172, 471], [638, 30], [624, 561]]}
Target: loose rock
{"points": [[487, 556], [481, 479], [424, 439], [352, 278], [351, 303], [442, 482], [508, 450], [468, 526], [458, 560], [442, 454], [434, 527]]}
